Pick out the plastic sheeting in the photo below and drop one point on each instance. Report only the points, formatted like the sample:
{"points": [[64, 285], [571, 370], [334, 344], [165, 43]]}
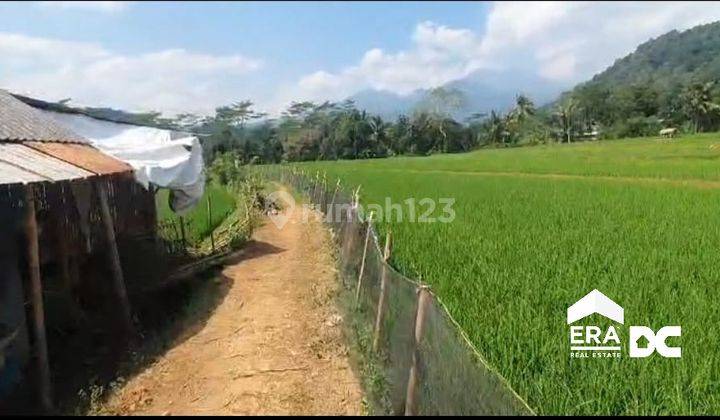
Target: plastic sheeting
{"points": [[166, 158]]}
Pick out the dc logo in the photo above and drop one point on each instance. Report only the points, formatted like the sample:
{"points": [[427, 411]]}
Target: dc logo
{"points": [[656, 342]]}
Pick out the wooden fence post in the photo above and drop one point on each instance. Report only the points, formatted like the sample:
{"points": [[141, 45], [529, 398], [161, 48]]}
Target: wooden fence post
{"points": [[209, 211], [383, 293], [36, 299], [324, 192], [411, 395], [362, 263], [63, 257], [118, 280]]}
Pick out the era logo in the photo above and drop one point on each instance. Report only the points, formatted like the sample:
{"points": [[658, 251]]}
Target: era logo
{"points": [[589, 341], [656, 342]]}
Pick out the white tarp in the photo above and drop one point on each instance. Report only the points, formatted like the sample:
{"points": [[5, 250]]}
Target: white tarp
{"points": [[168, 159]]}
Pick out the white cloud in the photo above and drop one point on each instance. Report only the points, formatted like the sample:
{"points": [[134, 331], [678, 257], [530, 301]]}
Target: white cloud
{"points": [[561, 41], [170, 81], [573, 40], [94, 6], [439, 54]]}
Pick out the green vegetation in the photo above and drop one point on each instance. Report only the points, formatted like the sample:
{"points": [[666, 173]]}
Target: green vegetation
{"points": [[197, 226], [694, 157], [669, 81], [538, 228]]}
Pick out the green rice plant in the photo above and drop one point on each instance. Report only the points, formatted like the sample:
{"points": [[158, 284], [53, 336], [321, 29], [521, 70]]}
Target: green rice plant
{"points": [[523, 248], [197, 225], [695, 158]]}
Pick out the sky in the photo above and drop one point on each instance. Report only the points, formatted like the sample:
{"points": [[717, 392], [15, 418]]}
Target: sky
{"points": [[178, 57]]}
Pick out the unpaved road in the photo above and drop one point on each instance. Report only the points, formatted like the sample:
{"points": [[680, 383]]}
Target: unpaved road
{"points": [[273, 346]]}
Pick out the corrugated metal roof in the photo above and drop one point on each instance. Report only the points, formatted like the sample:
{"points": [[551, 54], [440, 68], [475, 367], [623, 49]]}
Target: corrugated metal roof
{"points": [[41, 164], [83, 156], [21, 122], [10, 174]]}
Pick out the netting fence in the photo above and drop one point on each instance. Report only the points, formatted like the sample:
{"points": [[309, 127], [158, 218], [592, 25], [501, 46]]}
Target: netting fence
{"points": [[427, 364]]}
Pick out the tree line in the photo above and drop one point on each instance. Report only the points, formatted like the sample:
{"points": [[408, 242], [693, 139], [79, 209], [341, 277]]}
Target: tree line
{"points": [[328, 131], [238, 134]]}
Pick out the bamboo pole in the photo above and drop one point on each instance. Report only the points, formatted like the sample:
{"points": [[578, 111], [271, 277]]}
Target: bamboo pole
{"points": [[36, 298], [182, 234], [210, 229], [411, 395], [362, 263], [63, 254], [313, 195], [337, 187], [350, 243], [118, 278], [383, 293]]}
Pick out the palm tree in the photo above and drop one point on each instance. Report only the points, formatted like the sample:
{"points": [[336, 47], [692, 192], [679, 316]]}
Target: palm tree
{"points": [[524, 108], [698, 103], [378, 129], [494, 127], [564, 113]]}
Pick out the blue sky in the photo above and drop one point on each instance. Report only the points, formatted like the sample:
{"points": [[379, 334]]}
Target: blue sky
{"points": [[185, 56]]}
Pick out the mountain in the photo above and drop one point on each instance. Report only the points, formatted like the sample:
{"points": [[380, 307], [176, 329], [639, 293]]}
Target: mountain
{"points": [[670, 59], [655, 75], [386, 104], [483, 90], [665, 65]]}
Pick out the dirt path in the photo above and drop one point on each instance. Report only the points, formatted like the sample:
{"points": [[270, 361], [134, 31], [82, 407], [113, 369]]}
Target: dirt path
{"points": [[273, 346]]}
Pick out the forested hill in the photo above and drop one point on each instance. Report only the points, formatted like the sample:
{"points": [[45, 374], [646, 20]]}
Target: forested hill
{"points": [[675, 58], [669, 81]]}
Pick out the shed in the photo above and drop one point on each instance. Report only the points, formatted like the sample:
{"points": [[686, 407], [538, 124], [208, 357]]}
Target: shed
{"points": [[61, 201], [162, 157]]}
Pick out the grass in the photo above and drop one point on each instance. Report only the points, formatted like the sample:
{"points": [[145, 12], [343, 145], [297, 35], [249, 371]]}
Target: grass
{"points": [[198, 228], [525, 245], [686, 158]]}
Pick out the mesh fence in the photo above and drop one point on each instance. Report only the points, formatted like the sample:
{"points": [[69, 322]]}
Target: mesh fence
{"points": [[428, 365]]}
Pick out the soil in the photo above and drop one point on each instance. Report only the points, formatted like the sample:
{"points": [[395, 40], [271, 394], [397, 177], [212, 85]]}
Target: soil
{"points": [[274, 345]]}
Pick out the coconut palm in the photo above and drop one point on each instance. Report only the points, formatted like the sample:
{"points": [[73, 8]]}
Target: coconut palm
{"points": [[698, 103], [524, 108], [564, 113]]}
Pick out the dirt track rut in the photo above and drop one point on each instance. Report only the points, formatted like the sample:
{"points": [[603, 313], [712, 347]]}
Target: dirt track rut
{"points": [[273, 345]]}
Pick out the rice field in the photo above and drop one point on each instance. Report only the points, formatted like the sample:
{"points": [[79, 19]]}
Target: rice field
{"points": [[198, 225], [538, 228]]}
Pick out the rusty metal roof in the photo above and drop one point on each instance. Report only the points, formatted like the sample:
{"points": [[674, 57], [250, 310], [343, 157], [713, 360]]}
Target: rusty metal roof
{"points": [[82, 156], [20, 122]]}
